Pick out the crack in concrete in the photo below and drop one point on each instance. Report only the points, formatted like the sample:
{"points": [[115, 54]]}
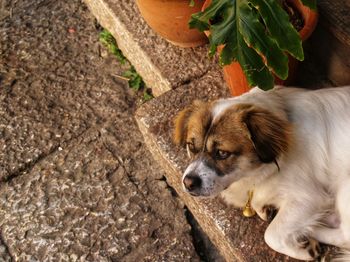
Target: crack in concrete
{"points": [[196, 233], [203, 246], [197, 239], [173, 192], [192, 79], [29, 166], [121, 164]]}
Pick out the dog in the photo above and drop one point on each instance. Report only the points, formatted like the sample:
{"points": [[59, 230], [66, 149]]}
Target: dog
{"points": [[286, 149]]}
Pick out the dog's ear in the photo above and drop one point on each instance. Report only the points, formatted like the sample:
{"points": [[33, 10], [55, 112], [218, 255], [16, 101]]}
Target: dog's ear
{"points": [[269, 133], [181, 122]]}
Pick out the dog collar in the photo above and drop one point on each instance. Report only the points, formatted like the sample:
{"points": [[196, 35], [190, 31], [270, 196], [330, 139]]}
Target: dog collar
{"points": [[248, 210]]}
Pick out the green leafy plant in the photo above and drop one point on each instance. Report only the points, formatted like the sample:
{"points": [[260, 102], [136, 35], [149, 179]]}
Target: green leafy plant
{"points": [[135, 81], [147, 95], [256, 33], [109, 41]]}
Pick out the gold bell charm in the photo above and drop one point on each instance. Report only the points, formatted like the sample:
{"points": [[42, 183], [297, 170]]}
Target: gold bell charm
{"points": [[248, 211]]}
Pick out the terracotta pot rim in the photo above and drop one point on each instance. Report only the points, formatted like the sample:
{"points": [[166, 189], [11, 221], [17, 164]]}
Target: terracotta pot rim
{"points": [[310, 19], [169, 19]]}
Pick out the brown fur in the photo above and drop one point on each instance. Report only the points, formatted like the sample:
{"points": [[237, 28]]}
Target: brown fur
{"points": [[229, 133], [243, 129], [191, 124], [270, 134]]}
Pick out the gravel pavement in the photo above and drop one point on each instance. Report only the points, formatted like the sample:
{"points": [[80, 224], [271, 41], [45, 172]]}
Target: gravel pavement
{"points": [[76, 181]]}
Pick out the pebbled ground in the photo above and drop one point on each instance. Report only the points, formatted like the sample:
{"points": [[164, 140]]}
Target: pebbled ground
{"points": [[76, 181]]}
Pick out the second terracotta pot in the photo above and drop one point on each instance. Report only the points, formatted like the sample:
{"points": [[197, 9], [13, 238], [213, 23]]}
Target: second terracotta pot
{"points": [[169, 18]]}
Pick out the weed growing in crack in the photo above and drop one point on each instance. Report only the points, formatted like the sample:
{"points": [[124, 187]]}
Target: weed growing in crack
{"points": [[134, 79], [108, 40]]}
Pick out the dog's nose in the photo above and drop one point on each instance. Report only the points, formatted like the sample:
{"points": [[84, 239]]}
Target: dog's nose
{"points": [[192, 182]]}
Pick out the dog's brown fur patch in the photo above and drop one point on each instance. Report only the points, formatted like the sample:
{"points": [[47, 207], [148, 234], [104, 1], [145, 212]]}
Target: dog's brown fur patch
{"points": [[243, 130], [270, 134], [192, 123], [229, 133]]}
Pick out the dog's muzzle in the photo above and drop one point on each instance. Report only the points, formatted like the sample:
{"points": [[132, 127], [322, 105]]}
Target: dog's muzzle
{"points": [[192, 183]]}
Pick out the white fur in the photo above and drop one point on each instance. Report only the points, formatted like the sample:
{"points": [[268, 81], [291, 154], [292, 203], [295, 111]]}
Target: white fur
{"points": [[312, 188], [212, 185], [314, 180]]}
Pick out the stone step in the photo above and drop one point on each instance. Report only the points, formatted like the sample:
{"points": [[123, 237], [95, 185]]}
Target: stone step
{"points": [[165, 67], [236, 237], [162, 65]]}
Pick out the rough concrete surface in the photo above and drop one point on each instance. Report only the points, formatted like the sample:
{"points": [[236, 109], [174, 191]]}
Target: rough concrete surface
{"points": [[76, 181], [81, 203]]}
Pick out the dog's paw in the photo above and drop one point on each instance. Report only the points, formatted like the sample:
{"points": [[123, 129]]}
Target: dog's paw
{"points": [[312, 246], [269, 212]]}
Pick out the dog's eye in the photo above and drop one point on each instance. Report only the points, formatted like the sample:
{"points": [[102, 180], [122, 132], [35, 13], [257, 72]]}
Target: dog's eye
{"points": [[191, 147], [237, 152], [221, 154]]}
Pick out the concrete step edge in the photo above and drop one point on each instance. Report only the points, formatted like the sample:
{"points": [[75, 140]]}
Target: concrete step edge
{"points": [[126, 42]]}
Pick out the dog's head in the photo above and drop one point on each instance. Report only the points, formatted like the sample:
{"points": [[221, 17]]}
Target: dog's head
{"points": [[227, 144]]}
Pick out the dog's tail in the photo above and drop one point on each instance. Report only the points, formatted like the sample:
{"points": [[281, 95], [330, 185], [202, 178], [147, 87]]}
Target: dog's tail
{"points": [[342, 256]]}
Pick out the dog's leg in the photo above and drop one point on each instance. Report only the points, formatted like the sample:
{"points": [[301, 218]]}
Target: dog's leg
{"points": [[330, 236], [267, 200], [339, 236], [285, 235], [343, 200]]}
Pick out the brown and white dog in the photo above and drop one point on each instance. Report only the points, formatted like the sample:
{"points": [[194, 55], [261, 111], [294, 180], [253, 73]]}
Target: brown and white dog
{"points": [[290, 147]]}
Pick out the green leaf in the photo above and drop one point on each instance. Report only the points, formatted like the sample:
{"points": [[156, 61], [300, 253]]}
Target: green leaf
{"points": [[255, 36], [229, 51], [135, 80], [256, 33], [108, 40], [147, 96], [221, 30], [253, 66], [200, 20], [310, 3], [197, 23], [279, 26], [192, 3]]}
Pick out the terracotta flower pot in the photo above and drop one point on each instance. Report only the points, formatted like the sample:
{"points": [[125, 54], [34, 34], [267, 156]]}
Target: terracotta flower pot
{"points": [[169, 18], [233, 73]]}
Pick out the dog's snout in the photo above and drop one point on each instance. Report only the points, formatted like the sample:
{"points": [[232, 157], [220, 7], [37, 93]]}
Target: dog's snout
{"points": [[192, 182]]}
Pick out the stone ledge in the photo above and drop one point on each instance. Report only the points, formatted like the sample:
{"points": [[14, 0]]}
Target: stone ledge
{"points": [[236, 237], [162, 65]]}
